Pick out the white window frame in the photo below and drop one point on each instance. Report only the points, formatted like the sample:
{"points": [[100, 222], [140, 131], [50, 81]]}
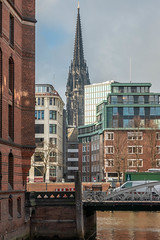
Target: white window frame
{"points": [[141, 147], [134, 165], [107, 161], [108, 150], [157, 162], [158, 149], [108, 136], [158, 135], [134, 136]]}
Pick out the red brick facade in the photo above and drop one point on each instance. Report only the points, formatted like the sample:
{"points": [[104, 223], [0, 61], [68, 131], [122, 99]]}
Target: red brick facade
{"points": [[135, 150], [17, 45]]}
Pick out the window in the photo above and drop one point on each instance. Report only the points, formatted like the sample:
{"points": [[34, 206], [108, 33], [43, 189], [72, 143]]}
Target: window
{"points": [[53, 141], [11, 75], [10, 207], [109, 163], [38, 171], [10, 122], [135, 136], [18, 206], [135, 163], [0, 171], [84, 149], [42, 101], [109, 136], [109, 150], [158, 149], [0, 93], [52, 128], [53, 157], [39, 114], [135, 149], [38, 156], [11, 31], [52, 171], [157, 162], [10, 171], [39, 101], [158, 135], [84, 159], [0, 18], [39, 128], [39, 142], [52, 115]]}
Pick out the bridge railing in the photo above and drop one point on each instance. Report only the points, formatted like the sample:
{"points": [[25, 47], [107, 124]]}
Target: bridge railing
{"points": [[143, 192]]}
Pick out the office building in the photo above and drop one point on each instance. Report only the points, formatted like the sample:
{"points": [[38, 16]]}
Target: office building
{"points": [[47, 162], [128, 126]]}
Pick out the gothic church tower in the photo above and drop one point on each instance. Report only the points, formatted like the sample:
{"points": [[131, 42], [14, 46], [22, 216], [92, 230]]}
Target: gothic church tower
{"points": [[78, 77]]}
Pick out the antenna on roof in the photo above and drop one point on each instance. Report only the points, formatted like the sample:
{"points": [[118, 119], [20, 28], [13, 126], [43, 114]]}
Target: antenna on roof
{"points": [[130, 70]]}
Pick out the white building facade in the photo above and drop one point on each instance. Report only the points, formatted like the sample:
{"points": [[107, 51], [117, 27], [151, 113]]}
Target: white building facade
{"points": [[93, 95], [47, 162]]}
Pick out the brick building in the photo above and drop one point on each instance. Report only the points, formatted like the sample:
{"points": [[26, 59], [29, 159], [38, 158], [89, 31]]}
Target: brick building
{"points": [[17, 81], [127, 131]]}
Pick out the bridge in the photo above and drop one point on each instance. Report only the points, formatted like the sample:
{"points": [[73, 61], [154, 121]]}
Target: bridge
{"points": [[144, 197], [72, 215]]}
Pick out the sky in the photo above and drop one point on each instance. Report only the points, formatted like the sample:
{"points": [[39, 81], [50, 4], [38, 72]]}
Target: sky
{"points": [[114, 31]]}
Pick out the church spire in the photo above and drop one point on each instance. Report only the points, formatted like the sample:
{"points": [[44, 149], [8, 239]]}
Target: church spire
{"points": [[78, 77], [78, 58]]}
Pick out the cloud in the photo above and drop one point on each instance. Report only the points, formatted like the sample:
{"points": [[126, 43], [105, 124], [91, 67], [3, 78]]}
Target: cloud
{"points": [[112, 32]]}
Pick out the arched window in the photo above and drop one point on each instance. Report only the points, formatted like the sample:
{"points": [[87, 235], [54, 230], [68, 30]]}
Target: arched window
{"points": [[10, 207], [0, 171], [18, 206], [10, 171], [0, 93], [11, 105]]}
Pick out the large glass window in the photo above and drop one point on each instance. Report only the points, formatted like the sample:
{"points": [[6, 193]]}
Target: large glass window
{"points": [[128, 111], [141, 111], [115, 111], [113, 99], [52, 115], [130, 100], [52, 128], [39, 128], [38, 171], [141, 99]]}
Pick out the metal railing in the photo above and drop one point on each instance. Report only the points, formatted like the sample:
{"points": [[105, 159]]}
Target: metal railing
{"points": [[144, 192]]}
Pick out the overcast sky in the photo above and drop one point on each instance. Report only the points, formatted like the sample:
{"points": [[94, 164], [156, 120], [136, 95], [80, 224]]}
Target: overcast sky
{"points": [[112, 30]]}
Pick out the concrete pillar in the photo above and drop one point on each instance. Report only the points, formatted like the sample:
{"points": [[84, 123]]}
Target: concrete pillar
{"points": [[79, 206]]}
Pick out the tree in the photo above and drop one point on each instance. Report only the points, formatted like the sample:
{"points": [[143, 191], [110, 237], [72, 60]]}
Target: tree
{"points": [[120, 153], [152, 137], [45, 158]]}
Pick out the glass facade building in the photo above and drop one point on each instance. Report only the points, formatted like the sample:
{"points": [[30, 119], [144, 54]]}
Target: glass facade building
{"points": [[94, 94]]}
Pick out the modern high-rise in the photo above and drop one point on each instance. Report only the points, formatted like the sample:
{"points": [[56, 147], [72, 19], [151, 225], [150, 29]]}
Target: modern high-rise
{"points": [[17, 100], [93, 95], [78, 77], [47, 162]]}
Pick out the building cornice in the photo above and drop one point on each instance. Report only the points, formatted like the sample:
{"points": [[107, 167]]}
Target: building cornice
{"points": [[23, 19]]}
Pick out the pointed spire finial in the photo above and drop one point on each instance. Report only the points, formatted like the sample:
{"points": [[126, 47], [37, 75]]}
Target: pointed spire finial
{"points": [[78, 4]]}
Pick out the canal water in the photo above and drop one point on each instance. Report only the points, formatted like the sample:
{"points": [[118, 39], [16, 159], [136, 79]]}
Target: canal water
{"points": [[128, 226]]}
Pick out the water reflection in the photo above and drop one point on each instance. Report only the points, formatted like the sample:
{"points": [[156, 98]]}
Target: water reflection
{"points": [[128, 226]]}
